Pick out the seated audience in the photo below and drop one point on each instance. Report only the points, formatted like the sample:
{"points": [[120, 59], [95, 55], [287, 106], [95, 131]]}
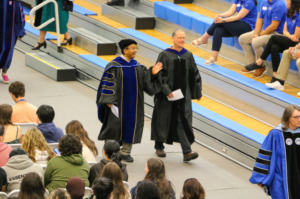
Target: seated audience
{"points": [[155, 172], [3, 180], [278, 43], [46, 115], [13, 133], [36, 147], [76, 188], [59, 194], [23, 112], [89, 149], [4, 148], [18, 165], [113, 172], [111, 152], [228, 24], [32, 187], [148, 190], [103, 188], [284, 67], [71, 163], [192, 189]]}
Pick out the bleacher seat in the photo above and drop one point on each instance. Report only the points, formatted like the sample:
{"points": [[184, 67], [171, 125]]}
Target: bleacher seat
{"points": [[88, 193], [26, 126], [126, 185], [14, 146], [53, 145], [3, 195], [92, 163]]}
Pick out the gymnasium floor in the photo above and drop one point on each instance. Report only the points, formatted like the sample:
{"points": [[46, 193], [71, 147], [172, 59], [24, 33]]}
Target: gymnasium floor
{"points": [[221, 178]]}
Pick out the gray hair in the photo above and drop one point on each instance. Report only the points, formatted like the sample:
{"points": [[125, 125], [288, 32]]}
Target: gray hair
{"points": [[175, 31]]}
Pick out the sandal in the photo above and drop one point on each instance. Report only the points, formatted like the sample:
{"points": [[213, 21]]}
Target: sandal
{"points": [[210, 61], [198, 42]]}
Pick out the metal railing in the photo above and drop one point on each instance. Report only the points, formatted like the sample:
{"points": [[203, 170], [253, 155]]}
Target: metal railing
{"points": [[56, 19]]}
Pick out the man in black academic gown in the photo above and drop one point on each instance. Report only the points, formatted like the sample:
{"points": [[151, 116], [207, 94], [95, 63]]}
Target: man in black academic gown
{"points": [[172, 120], [122, 85], [12, 23]]}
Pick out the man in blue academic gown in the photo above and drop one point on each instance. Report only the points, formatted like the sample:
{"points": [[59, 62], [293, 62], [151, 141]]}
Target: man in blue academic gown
{"points": [[12, 22], [122, 85]]}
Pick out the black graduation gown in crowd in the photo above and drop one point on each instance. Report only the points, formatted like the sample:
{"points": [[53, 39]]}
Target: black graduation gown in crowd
{"points": [[179, 72], [123, 84]]}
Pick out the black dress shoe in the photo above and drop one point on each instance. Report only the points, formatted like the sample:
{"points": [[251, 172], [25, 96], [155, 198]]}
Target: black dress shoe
{"points": [[40, 45], [69, 41], [253, 66], [127, 158], [116, 3]]}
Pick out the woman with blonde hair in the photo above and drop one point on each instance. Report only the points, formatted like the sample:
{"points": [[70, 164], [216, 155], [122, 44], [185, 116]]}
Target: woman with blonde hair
{"points": [[89, 149], [59, 194], [36, 147], [113, 172], [13, 133]]}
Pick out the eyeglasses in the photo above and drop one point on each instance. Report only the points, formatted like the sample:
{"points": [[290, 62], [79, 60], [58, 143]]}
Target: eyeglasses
{"points": [[296, 117], [132, 49]]}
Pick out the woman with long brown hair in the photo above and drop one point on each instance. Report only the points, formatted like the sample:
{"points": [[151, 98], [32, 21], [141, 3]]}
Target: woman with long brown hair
{"points": [[36, 147], [89, 149], [155, 172], [113, 172], [32, 187], [192, 189], [13, 133]]}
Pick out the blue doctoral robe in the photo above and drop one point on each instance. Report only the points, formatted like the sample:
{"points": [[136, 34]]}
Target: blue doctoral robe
{"points": [[12, 23], [277, 165]]}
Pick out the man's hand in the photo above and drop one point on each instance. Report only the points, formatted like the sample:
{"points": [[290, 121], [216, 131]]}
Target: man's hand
{"points": [[253, 37], [294, 38], [109, 105], [296, 55], [291, 50], [156, 68], [170, 95]]}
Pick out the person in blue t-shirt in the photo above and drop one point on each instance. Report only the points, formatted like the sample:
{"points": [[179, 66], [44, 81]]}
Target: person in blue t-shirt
{"points": [[227, 25], [271, 21], [278, 43]]}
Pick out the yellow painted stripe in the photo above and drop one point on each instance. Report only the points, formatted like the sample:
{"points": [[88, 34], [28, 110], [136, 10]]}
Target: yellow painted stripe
{"points": [[43, 61]]}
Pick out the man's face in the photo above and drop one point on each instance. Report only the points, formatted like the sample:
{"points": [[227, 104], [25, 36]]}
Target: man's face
{"points": [[130, 51], [295, 119], [179, 39]]}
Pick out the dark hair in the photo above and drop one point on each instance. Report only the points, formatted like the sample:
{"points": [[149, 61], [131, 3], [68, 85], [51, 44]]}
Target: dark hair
{"points": [[192, 189], [147, 190], [69, 144], [157, 174], [112, 150], [295, 6], [17, 151], [1, 130], [103, 187], [32, 187], [17, 89], [76, 128], [255, 1], [45, 113], [113, 172], [5, 114]]}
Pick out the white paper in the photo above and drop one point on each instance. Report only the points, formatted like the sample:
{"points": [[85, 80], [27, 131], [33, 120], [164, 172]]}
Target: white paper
{"points": [[177, 95], [115, 111]]}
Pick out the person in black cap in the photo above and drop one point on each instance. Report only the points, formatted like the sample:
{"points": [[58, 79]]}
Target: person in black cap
{"points": [[120, 97]]}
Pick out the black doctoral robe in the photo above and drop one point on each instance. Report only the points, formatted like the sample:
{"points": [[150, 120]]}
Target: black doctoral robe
{"points": [[179, 72], [123, 84]]}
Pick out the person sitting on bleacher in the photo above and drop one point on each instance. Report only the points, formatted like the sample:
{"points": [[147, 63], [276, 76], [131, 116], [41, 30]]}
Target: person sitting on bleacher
{"points": [[18, 165], [23, 112], [192, 189], [89, 149], [46, 115], [36, 147], [229, 25], [76, 188], [270, 22], [283, 69], [13, 133], [4, 148], [71, 163], [32, 187], [278, 43], [3, 180]]}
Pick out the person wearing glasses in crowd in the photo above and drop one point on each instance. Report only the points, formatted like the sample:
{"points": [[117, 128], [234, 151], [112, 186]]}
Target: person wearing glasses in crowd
{"points": [[121, 90], [277, 164]]}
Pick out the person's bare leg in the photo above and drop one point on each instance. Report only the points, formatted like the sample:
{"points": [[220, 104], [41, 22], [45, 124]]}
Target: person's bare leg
{"points": [[41, 37], [215, 55], [274, 74], [259, 62], [204, 39], [67, 36]]}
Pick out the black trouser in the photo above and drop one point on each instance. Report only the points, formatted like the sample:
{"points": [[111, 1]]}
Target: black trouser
{"points": [[276, 45], [231, 29], [184, 142]]}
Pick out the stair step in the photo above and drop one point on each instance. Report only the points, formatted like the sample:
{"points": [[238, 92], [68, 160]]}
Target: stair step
{"points": [[50, 66]]}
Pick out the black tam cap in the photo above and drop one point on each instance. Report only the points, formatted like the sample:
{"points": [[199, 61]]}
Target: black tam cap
{"points": [[125, 43]]}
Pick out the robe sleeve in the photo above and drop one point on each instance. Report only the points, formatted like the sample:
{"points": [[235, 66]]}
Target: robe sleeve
{"points": [[264, 168], [107, 90], [195, 80], [151, 83], [165, 88]]}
